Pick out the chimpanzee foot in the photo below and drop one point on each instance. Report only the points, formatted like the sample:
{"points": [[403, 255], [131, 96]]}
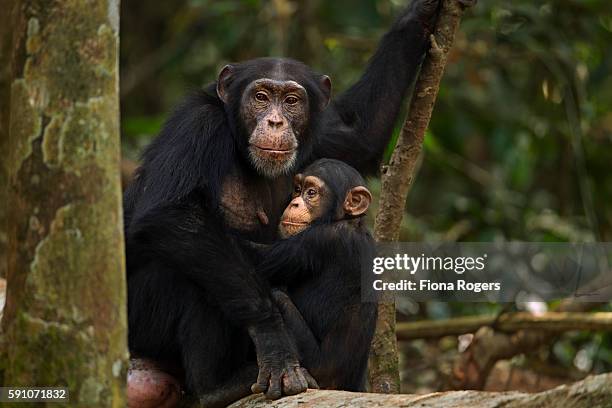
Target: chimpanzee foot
{"points": [[151, 387]]}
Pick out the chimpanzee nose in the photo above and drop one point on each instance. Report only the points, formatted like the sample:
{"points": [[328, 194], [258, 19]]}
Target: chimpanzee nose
{"points": [[275, 123]]}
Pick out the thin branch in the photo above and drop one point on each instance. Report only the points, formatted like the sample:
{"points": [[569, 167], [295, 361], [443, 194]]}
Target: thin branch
{"points": [[397, 178], [512, 322]]}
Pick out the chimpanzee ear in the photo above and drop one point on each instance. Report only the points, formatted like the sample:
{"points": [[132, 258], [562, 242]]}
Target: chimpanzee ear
{"points": [[326, 88], [357, 201], [222, 82]]}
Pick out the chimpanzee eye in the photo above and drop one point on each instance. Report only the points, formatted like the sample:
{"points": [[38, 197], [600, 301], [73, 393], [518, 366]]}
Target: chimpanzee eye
{"points": [[291, 100], [261, 96], [311, 192], [297, 189]]}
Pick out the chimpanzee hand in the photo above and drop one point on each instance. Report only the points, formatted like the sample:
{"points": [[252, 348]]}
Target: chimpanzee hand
{"points": [[279, 369], [427, 10], [424, 11]]}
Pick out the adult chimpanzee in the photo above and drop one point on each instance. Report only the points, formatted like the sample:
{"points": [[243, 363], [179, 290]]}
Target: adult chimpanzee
{"points": [[325, 248], [222, 167]]}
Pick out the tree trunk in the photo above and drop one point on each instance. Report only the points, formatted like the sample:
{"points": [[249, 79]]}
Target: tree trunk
{"points": [[396, 180], [593, 392], [65, 319], [6, 41]]}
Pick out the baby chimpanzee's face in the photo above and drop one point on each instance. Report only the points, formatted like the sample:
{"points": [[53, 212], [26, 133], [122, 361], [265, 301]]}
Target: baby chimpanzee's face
{"points": [[310, 201], [313, 198]]}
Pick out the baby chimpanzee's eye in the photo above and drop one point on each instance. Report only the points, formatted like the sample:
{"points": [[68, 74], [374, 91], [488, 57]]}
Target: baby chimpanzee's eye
{"points": [[291, 100], [297, 189], [311, 192]]}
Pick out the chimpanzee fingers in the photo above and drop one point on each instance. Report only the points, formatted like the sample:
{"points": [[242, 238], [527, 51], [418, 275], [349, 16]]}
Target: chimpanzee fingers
{"points": [[312, 383], [274, 388], [427, 8], [294, 381], [424, 11], [261, 385]]}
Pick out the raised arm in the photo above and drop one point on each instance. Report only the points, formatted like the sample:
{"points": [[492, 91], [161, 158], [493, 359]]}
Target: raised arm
{"points": [[358, 124]]}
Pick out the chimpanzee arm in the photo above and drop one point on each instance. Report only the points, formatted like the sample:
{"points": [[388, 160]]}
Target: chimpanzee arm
{"points": [[339, 359], [303, 254], [358, 124], [191, 242], [307, 344], [185, 238]]}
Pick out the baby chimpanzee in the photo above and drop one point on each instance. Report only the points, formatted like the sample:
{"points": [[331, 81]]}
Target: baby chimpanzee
{"points": [[325, 247], [318, 262]]}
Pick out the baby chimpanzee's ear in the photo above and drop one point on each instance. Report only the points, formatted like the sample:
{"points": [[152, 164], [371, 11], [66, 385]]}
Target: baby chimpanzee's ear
{"points": [[357, 201]]}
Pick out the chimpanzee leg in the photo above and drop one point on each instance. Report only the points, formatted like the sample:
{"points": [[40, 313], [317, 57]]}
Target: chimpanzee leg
{"points": [[307, 343], [170, 321], [211, 349]]}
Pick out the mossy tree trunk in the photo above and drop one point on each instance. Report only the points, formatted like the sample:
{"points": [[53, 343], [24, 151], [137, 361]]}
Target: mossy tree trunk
{"points": [[6, 41], [65, 320]]}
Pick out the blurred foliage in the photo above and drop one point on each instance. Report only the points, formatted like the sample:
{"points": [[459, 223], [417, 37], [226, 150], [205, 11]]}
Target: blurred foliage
{"points": [[520, 144]]}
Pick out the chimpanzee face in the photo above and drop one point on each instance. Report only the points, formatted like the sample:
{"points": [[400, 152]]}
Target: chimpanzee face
{"points": [[274, 102], [313, 198], [275, 114], [310, 201]]}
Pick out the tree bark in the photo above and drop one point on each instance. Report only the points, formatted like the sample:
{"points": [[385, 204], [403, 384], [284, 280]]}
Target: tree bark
{"points": [[593, 392], [397, 178], [6, 41], [65, 318]]}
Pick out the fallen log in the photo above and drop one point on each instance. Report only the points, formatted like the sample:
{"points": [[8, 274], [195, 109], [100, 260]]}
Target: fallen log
{"points": [[592, 392]]}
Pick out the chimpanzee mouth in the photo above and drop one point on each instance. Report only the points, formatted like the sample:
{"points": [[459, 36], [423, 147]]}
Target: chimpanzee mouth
{"points": [[273, 150], [294, 223], [272, 162]]}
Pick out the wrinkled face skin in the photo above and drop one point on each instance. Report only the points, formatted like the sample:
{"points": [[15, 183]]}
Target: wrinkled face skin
{"points": [[310, 201], [275, 114]]}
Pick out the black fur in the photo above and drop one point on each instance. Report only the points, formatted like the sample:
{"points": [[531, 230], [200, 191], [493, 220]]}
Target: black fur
{"points": [[194, 298], [321, 270]]}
